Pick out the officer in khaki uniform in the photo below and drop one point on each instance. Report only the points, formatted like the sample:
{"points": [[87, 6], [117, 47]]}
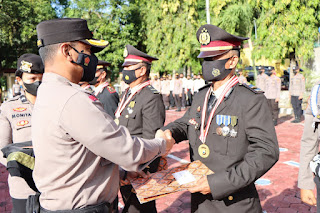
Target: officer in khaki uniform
{"points": [[273, 89], [106, 94], [15, 122], [177, 91], [309, 147], [242, 79], [297, 89], [77, 145], [165, 91], [262, 78], [142, 111], [229, 127]]}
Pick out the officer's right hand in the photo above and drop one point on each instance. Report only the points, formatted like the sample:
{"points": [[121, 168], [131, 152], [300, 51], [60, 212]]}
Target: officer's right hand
{"points": [[167, 136], [308, 197]]}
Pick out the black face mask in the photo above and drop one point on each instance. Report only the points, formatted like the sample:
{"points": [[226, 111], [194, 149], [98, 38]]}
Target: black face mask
{"points": [[215, 70], [129, 76], [88, 63], [32, 88]]}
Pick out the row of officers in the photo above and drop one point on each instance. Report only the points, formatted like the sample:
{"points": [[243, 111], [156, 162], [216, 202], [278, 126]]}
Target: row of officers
{"points": [[84, 144]]}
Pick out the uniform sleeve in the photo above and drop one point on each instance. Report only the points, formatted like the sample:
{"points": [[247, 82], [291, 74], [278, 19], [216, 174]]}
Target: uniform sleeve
{"points": [[263, 151], [309, 147], [85, 120], [153, 116], [179, 128], [5, 135]]}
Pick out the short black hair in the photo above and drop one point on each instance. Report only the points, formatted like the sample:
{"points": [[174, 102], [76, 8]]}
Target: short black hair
{"points": [[47, 52]]}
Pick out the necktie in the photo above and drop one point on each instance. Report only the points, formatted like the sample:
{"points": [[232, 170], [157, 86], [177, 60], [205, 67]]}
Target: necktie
{"points": [[211, 103]]}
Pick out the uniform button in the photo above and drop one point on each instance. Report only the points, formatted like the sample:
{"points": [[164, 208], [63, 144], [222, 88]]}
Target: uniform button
{"points": [[127, 116], [230, 197]]}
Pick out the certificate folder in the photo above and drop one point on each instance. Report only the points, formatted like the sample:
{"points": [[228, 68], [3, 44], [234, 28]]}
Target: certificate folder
{"points": [[163, 183]]}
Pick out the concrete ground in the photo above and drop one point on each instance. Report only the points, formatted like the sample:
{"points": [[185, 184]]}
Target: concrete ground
{"points": [[277, 189]]}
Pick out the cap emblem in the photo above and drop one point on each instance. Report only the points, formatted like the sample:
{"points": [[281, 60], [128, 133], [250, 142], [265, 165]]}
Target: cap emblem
{"points": [[204, 37], [125, 52], [86, 61], [216, 72], [126, 77], [25, 66]]}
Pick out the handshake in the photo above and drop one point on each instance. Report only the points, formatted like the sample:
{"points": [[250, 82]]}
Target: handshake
{"points": [[167, 136]]}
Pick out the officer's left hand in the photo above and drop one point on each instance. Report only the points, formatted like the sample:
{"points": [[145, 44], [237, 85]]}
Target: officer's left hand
{"points": [[201, 186], [300, 97], [277, 100]]}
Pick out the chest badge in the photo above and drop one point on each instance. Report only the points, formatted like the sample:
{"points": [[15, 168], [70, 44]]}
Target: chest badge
{"points": [[203, 151], [20, 109], [131, 104], [22, 123]]}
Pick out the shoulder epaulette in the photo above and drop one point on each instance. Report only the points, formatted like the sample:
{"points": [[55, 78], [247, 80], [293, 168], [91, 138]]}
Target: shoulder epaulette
{"points": [[153, 90], [13, 99], [252, 88], [205, 86], [111, 89]]}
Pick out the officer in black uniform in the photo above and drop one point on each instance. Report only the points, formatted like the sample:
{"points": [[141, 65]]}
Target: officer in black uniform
{"points": [[230, 129], [106, 94], [141, 110]]}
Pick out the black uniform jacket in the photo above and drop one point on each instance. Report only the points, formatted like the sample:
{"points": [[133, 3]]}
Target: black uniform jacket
{"points": [[236, 161], [144, 115], [109, 99]]}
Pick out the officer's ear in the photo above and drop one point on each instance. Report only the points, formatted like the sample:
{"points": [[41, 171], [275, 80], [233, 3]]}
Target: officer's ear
{"points": [[232, 62], [143, 70], [19, 80], [65, 50]]}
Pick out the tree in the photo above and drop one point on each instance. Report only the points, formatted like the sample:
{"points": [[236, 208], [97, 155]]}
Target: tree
{"points": [[18, 20]]}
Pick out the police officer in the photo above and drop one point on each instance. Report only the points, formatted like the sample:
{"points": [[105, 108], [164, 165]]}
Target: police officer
{"points": [[142, 111], [77, 145], [106, 94], [230, 129], [273, 89], [177, 91], [242, 79], [156, 83], [15, 121], [184, 91], [189, 88], [297, 89], [262, 78], [171, 96], [309, 147], [165, 91]]}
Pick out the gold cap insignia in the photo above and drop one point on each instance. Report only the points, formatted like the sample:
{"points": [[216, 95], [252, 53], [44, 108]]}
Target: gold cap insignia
{"points": [[39, 43], [204, 37], [318, 116], [126, 77], [125, 52], [216, 72], [25, 66]]}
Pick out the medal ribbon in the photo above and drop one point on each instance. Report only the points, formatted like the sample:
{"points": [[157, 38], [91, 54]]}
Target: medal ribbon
{"points": [[100, 88], [204, 130], [124, 103]]}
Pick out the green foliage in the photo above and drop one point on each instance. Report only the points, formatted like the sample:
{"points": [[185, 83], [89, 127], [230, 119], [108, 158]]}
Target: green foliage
{"points": [[18, 20]]}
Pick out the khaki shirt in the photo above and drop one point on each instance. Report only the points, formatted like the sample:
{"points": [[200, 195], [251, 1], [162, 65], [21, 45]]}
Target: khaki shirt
{"points": [[273, 87], [15, 123], [157, 85], [78, 147], [165, 87], [261, 82], [297, 85], [177, 89]]}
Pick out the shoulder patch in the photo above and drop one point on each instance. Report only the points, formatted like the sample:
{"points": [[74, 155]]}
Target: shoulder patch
{"points": [[153, 90], [205, 86], [111, 89], [252, 88]]}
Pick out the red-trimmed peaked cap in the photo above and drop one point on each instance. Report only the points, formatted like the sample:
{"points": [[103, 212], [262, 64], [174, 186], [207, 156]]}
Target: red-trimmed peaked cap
{"points": [[134, 56], [215, 41], [102, 64]]}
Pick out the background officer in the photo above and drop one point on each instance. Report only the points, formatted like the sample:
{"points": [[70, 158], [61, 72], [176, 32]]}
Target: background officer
{"points": [[106, 94], [177, 92], [230, 129], [72, 133], [242, 79], [273, 89], [309, 147], [15, 121], [142, 111], [165, 91], [297, 89], [262, 78]]}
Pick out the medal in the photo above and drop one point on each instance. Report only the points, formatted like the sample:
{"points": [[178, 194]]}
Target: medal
{"points": [[116, 121], [130, 111], [225, 131], [226, 120], [219, 131], [203, 151], [233, 133]]}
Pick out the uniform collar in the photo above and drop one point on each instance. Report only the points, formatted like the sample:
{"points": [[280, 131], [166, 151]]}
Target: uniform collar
{"points": [[53, 77]]}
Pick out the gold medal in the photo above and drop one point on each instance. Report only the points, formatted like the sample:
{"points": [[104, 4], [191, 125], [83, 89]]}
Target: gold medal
{"points": [[204, 151], [116, 121]]}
